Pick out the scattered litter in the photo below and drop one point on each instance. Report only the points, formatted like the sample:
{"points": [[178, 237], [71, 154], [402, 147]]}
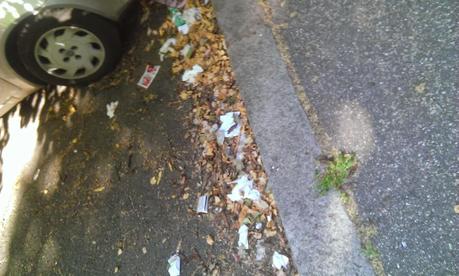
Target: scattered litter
{"points": [[184, 29], [260, 251], [111, 107], [174, 265], [100, 189], [36, 175], [243, 236], [190, 74], [230, 126], [166, 48], [177, 18], [203, 204], [244, 190], [120, 251], [279, 261], [148, 76], [144, 250], [191, 16], [186, 51], [184, 21], [258, 226]]}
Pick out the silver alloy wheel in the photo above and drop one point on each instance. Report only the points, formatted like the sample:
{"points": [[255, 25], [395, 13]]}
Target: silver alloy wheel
{"points": [[69, 52]]}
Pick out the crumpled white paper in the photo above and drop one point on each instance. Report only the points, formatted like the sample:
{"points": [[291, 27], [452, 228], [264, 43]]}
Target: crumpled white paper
{"points": [[190, 74], [166, 47], [174, 265], [243, 236], [191, 15], [111, 107], [244, 189], [230, 126], [279, 261]]}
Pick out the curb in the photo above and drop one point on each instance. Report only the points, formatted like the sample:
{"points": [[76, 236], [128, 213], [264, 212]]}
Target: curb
{"points": [[322, 237]]}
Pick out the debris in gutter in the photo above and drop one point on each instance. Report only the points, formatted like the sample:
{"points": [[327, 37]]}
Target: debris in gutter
{"points": [[148, 76], [243, 237], [203, 204], [279, 261], [111, 107], [244, 190]]}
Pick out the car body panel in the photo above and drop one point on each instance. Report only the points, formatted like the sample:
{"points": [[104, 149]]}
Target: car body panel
{"points": [[111, 9], [13, 87], [12, 12]]}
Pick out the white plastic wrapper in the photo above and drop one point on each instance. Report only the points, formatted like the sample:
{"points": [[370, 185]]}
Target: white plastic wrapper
{"points": [[166, 47], [230, 126], [279, 261], [174, 265], [243, 237], [190, 74], [111, 107], [203, 204], [244, 190]]}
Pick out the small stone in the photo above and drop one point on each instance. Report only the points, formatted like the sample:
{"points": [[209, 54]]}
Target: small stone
{"points": [[144, 250], [420, 88], [120, 251], [404, 244]]}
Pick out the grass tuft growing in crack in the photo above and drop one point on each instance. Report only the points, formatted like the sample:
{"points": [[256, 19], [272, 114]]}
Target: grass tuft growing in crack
{"points": [[338, 171], [370, 251]]}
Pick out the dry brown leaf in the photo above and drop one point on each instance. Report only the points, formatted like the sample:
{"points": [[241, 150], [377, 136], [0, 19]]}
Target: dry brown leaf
{"points": [[210, 240], [100, 189]]}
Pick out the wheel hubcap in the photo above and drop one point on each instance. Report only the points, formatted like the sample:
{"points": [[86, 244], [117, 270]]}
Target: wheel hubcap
{"points": [[69, 52]]}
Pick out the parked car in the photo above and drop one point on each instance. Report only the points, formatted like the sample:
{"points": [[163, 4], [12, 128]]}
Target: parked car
{"points": [[58, 42]]}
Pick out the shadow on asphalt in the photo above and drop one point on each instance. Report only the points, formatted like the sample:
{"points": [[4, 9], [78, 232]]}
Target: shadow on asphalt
{"points": [[76, 197]]}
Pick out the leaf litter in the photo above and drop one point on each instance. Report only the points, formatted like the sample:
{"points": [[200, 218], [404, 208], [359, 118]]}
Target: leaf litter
{"points": [[233, 189]]}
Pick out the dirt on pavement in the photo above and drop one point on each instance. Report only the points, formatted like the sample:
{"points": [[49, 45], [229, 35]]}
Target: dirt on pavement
{"points": [[118, 195]]}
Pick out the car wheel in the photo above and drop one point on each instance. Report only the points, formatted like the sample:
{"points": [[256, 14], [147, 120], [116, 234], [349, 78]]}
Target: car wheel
{"points": [[75, 51]]}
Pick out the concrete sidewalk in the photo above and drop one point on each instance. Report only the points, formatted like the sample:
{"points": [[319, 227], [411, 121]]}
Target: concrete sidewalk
{"points": [[322, 238]]}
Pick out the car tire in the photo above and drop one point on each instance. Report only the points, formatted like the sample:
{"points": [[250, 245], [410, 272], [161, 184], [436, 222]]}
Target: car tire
{"points": [[76, 50]]}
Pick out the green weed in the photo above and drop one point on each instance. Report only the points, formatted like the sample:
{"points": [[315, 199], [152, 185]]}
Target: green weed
{"points": [[337, 172], [370, 251]]}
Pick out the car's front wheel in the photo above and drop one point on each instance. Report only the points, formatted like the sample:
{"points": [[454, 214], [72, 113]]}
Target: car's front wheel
{"points": [[75, 51]]}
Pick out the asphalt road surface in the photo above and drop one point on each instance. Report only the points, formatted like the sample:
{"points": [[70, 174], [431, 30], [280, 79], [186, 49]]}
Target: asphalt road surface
{"points": [[80, 200], [383, 79]]}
